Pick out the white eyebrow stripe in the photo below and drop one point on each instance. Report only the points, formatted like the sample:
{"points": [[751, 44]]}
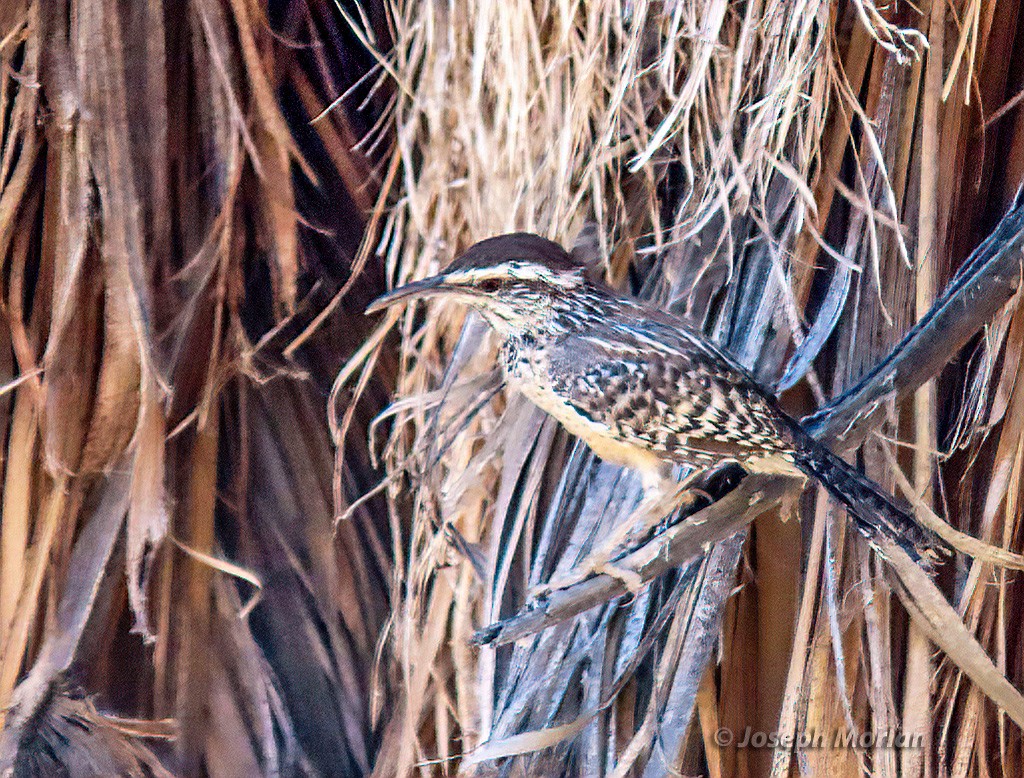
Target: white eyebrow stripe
{"points": [[522, 271], [529, 272]]}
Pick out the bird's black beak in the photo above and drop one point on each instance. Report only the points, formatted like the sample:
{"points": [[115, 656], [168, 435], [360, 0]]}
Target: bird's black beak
{"points": [[413, 291]]}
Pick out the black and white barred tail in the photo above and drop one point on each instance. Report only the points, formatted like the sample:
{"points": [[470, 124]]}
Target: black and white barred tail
{"points": [[874, 512]]}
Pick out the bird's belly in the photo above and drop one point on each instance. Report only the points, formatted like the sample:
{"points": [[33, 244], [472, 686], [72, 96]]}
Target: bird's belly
{"points": [[597, 436]]}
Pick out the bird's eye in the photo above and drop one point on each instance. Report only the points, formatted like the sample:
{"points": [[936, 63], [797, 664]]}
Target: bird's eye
{"points": [[490, 285]]}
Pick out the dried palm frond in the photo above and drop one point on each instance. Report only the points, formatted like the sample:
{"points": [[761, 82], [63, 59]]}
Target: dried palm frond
{"points": [[176, 205], [791, 180]]}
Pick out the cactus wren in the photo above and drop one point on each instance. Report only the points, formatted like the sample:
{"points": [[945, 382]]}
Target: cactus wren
{"points": [[640, 386]]}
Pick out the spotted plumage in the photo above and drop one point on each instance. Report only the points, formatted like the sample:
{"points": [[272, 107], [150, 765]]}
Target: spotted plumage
{"points": [[639, 385], [656, 391]]}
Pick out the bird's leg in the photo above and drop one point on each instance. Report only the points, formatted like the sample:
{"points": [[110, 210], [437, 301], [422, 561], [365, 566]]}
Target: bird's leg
{"points": [[662, 495]]}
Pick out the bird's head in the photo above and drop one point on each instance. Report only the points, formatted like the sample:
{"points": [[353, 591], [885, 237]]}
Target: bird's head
{"points": [[516, 281]]}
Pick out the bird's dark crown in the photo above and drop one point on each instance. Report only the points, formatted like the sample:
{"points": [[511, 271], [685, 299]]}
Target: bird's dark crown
{"points": [[523, 247], [518, 281]]}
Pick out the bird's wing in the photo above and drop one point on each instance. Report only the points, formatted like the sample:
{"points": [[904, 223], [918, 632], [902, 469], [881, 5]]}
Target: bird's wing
{"points": [[667, 389]]}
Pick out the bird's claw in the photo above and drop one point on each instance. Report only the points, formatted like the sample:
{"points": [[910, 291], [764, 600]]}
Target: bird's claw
{"points": [[631, 579]]}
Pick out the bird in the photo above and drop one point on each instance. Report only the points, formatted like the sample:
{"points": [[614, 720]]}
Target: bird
{"points": [[639, 385]]}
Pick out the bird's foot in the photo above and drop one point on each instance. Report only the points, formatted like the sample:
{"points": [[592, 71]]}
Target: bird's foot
{"points": [[631, 579], [660, 500], [588, 569]]}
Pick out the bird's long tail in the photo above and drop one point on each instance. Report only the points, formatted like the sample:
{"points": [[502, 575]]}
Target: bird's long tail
{"points": [[875, 513]]}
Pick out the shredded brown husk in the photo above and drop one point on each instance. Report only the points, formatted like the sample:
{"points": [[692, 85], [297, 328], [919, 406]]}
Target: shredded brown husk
{"points": [[171, 219]]}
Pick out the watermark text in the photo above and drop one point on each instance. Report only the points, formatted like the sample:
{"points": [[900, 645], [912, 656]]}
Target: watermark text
{"points": [[839, 739]]}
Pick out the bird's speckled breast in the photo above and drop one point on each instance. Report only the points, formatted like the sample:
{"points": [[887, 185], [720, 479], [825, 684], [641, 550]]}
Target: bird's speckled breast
{"points": [[527, 370]]}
